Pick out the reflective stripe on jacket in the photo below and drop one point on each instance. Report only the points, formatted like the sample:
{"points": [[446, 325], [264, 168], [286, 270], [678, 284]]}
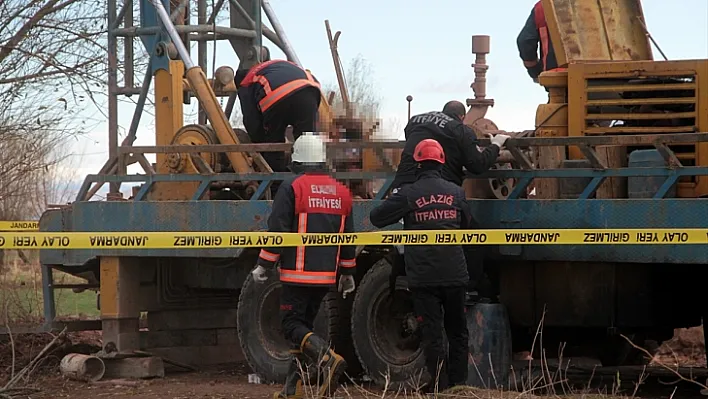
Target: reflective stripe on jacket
{"points": [[278, 78], [311, 203], [542, 26]]}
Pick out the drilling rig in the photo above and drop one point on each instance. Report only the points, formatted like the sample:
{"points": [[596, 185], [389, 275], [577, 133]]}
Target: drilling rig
{"points": [[620, 144]]}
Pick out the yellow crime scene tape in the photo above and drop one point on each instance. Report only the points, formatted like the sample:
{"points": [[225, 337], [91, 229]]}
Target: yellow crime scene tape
{"points": [[181, 240], [19, 225]]}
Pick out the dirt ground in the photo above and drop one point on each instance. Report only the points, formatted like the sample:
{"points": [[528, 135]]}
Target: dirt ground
{"points": [[685, 349]]}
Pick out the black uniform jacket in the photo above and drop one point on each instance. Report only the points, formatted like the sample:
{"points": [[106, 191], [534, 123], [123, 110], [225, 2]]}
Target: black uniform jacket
{"points": [[431, 203], [533, 35], [311, 203], [457, 140], [265, 84]]}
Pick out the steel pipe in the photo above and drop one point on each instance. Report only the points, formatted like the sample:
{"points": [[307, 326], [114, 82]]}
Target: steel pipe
{"points": [[278, 28], [204, 29], [172, 32]]}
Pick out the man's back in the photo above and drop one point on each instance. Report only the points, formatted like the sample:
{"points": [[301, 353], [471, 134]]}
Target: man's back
{"points": [[457, 140], [312, 203], [437, 126], [430, 203]]}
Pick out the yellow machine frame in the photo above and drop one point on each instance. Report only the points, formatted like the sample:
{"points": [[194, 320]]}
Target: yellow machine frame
{"points": [[600, 47]]}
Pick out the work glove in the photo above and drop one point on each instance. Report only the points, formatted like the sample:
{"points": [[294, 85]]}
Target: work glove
{"points": [[499, 140], [346, 285], [259, 274]]}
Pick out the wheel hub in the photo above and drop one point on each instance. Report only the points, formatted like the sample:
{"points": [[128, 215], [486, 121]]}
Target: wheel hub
{"points": [[410, 325]]}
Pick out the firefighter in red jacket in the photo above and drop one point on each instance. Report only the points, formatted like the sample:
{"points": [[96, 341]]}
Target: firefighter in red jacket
{"points": [[533, 34], [311, 202], [274, 95]]}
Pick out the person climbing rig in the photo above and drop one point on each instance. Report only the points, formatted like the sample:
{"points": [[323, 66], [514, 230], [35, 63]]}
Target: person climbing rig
{"points": [[437, 274], [533, 34], [274, 95], [460, 145], [310, 202]]}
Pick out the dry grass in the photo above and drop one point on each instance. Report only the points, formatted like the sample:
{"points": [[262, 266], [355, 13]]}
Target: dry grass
{"points": [[21, 303], [21, 300]]}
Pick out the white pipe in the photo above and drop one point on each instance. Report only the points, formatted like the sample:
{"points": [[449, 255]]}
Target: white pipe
{"points": [[278, 28]]}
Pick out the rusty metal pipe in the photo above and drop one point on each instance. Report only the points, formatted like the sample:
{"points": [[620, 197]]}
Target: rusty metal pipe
{"points": [[204, 93], [128, 51]]}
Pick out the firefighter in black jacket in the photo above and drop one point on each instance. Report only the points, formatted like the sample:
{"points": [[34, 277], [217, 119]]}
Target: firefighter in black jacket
{"points": [[273, 95], [460, 145], [311, 202], [437, 274], [457, 140], [535, 32]]}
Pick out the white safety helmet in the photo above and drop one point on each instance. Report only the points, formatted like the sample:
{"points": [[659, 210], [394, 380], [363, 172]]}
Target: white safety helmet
{"points": [[309, 148]]}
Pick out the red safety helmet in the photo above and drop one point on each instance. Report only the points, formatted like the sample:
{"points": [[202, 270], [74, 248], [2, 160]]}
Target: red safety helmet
{"points": [[429, 150]]}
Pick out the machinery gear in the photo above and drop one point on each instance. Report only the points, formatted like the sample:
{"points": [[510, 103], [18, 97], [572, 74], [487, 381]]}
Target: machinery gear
{"points": [[429, 150], [309, 148], [330, 364], [194, 135]]}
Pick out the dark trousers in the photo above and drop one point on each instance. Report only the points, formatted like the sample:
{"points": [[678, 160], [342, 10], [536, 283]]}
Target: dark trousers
{"points": [[437, 307], [298, 308], [298, 110]]}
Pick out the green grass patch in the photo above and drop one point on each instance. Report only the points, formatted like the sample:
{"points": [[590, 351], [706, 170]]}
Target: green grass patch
{"points": [[21, 300], [25, 304]]}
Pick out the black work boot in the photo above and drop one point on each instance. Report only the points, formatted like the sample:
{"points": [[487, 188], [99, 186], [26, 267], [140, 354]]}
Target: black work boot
{"points": [[293, 388], [330, 363]]}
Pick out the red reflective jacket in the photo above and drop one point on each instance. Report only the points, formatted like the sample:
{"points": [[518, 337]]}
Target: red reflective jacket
{"points": [[311, 203]]}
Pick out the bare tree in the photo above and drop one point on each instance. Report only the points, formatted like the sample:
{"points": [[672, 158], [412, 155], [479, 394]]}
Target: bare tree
{"points": [[52, 65], [360, 86]]}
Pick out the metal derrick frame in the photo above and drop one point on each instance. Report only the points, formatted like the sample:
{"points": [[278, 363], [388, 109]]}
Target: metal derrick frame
{"points": [[245, 33], [248, 29]]}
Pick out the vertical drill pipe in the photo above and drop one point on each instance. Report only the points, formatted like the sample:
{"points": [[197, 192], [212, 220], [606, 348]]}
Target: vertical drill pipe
{"points": [[337, 65], [112, 87], [202, 51], [205, 94], [287, 48], [258, 26], [129, 75]]}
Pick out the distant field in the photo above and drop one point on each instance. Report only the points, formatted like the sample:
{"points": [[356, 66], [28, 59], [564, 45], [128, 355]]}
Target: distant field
{"points": [[21, 292]]}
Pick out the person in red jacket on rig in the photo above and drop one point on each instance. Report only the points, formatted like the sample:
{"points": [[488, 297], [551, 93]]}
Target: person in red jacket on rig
{"points": [[533, 34], [310, 202]]}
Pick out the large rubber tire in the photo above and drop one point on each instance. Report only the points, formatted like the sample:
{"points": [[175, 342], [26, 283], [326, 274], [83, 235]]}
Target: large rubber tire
{"points": [[389, 355], [260, 333], [616, 351]]}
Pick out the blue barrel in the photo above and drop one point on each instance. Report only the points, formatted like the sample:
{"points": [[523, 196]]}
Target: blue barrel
{"points": [[646, 186], [490, 346]]}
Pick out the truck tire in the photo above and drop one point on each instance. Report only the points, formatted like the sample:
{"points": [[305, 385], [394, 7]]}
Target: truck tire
{"points": [[616, 351], [383, 331], [259, 332]]}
